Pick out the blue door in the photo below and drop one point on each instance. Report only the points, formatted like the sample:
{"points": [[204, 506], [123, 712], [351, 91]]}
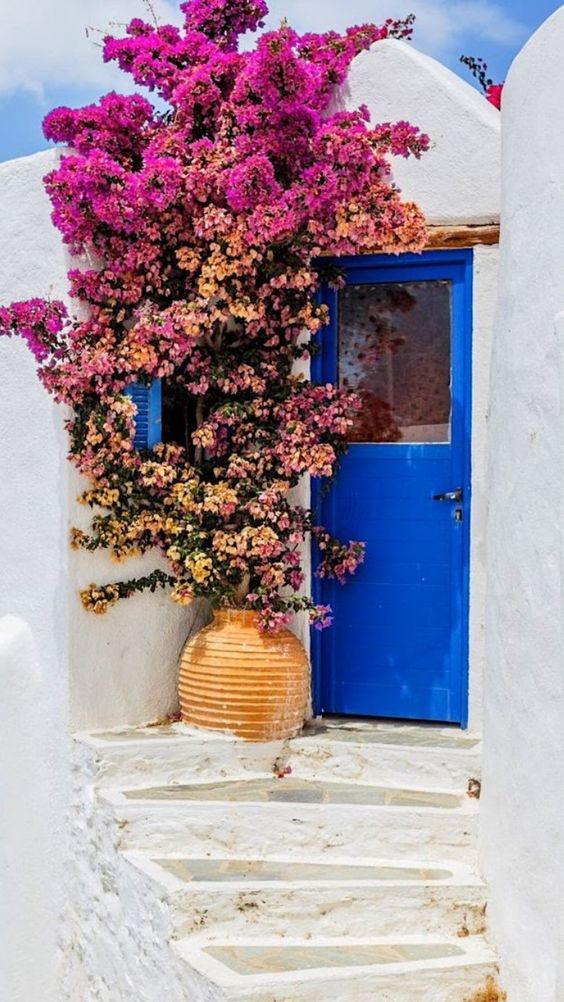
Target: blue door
{"points": [[400, 336]]}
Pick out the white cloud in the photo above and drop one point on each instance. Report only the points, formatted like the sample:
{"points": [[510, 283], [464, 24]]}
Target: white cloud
{"points": [[43, 43], [442, 26], [489, 21]]}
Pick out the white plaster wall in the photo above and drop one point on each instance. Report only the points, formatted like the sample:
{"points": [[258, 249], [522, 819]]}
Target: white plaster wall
{"points": [[34, 657], [522, 808], [124, 663], [458, 179], [32, 819], [116, 669], [33, 498], [484, 307]]}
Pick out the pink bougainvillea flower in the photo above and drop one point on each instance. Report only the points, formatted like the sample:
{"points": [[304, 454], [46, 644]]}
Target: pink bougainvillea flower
{"points": [[251, 183], [494, 94]]}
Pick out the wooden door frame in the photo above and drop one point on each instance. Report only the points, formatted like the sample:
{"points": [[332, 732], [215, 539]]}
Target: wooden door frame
{"points": [[322, 370]]}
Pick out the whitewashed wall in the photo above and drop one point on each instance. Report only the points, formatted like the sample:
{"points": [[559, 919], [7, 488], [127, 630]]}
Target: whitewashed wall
{"points": [[121, 668], [522, 806], [458, 179], [34, 648], [33, 470], [124, 664], [33, 793], [113, 669], [484, 305]]}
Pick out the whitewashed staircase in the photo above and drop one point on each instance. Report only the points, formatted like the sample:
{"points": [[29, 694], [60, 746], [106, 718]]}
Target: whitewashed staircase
{"points": [[338, 866]]}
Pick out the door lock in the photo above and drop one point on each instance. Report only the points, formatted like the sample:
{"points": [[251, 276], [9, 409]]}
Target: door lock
{"points": [[456, 495]]}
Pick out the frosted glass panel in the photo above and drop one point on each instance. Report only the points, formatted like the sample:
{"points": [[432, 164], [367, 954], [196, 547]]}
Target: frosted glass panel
{"points": [[395, 353]]}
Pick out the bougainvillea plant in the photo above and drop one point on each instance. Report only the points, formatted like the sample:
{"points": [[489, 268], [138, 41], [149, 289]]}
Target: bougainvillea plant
{"points": [[479, 69], [198, 232]]}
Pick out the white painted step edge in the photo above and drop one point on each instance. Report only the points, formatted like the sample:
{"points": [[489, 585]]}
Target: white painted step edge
{"points": [[131, 738], [433, 834]]}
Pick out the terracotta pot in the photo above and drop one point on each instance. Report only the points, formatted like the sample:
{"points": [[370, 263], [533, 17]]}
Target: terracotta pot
{"points": [[234, 678]]}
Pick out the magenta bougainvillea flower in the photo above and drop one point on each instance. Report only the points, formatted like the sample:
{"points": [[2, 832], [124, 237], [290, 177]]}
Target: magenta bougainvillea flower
{"points": [[494, 93], [199, 228]]}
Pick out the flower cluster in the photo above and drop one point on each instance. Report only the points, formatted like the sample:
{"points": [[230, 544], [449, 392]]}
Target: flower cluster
{"points": [[201, 228], [337, 559], [39, 322]]}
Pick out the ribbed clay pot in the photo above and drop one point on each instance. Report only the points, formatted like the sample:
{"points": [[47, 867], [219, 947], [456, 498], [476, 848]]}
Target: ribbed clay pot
{"points": [[234, 678]]}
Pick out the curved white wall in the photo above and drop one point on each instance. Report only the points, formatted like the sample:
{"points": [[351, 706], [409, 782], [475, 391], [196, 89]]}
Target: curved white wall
{"points": [[458, 179], [523, 810]]}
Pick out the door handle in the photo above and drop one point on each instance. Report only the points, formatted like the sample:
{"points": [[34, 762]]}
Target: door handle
{"points": [[456, 495]]}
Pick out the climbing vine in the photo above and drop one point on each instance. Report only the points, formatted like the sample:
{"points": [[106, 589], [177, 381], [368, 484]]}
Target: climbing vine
{"points": [[199, 224]]}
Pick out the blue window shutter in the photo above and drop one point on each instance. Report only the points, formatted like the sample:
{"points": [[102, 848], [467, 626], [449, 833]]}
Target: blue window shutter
{"points": [[148, 420]]}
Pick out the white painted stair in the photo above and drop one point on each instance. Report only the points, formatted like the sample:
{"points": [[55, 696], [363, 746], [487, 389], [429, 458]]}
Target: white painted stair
{"points": [[418, 969], [340, 865], [278, 898]]}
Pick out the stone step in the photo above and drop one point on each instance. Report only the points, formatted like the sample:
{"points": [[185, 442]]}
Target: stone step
{"points": [[253, 818], [390, 969], [363, 751], [173, 753], [220, 897], [395, 754]]}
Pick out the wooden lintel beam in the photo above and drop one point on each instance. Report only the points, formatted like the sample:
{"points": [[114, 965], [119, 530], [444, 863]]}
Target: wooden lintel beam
{"points": [[462, 236]]}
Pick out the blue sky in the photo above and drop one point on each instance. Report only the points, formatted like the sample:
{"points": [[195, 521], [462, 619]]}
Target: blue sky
{"points": [[48, 58]]}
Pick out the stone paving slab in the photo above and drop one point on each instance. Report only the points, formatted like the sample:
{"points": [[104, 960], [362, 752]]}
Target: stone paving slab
{"points": [[219, 870], [292, 790], [376, 732], [280, 959]]}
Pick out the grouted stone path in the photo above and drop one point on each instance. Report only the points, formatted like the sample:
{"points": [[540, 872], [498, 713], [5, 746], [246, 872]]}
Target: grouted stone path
{"points": [[276, 959], [341, 865]]}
